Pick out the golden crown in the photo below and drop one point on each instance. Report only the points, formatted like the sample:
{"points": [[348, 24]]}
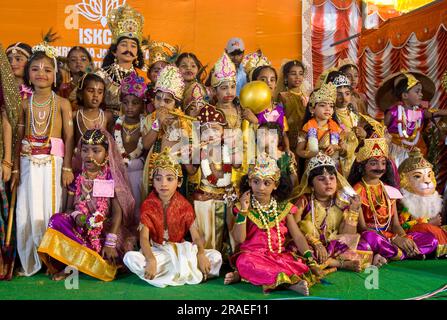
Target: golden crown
{"points": [[264, 168], [376, 147], [171, 81], [125, 21], [253, 60], [346, 62], [326, 93], [379, 129], [194, 95], [414, 161], [412, 81], [164, 160], [224, 70], [161, 51], [320, 160]]}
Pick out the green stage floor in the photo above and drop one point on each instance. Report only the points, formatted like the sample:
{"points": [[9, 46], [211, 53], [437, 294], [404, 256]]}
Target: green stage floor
{"points": [[398, 280]]}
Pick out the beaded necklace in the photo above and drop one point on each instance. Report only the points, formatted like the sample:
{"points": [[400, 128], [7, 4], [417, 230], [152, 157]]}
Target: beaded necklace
{"points": [[378, 226], [268, 210]]}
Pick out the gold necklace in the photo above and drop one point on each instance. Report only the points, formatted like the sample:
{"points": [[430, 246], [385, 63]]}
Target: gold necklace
{"points": [[378, 225]]}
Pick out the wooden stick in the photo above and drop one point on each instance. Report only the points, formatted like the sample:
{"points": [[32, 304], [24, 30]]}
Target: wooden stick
{"points": [[10, 216]]}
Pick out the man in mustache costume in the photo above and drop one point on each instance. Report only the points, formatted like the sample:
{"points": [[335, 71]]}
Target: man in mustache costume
{"points": [[373, 178], [125, 55]]}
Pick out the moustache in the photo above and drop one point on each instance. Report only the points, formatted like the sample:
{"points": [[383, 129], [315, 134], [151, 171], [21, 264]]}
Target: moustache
{"points": [[129, 52]]}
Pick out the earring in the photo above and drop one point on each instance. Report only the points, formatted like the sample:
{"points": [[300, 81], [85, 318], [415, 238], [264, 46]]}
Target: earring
{"points": [[115, 60], [29, 82], [136, 62]]}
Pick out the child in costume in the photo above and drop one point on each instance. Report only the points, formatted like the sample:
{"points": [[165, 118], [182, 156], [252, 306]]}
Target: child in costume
{"points": [[270, 139], [18, 55], [45, 131], [98, 227], [90, 112], [327, 214], [321, 133], [128, 134], [262, 222], [421, 205], [349, 119], [351, 70], [166, 259], [373, 179], [293, 99], [401, 96]]}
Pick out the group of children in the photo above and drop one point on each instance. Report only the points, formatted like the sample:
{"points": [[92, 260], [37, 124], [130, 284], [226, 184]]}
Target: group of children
{"points": [[108, 159]]}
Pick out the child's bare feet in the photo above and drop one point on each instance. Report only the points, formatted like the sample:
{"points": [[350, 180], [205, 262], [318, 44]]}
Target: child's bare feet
{"points": [[379, 261], [301, 287], [59, 276], [232, 277]]}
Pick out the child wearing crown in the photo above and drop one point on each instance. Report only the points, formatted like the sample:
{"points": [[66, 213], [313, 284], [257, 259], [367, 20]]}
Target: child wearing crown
{"points": [[349, 118], [263, 219], [45, 143], [373, 179], [351, 70], [167, 126], [421, 206], [128, 133], [125, 55], [98, 227], [327, 214], [214, 196], [401, 96], [166, 259], [321, 133]]}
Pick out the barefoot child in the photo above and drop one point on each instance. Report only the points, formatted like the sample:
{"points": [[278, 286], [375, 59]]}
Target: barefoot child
{"points": [[97, 229], [166, 259], [262, 222], [46, 146]]}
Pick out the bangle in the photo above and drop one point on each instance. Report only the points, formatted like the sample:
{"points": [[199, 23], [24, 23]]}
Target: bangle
{"points": [[351, 217], [67, 169], [15, 171], [307, 254], [243, 212], [7, 163], [313, 240], [240, 219]]}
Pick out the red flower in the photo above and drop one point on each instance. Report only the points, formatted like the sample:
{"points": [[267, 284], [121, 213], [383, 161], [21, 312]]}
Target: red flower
{"points": [[118, 127], [99, 218], [212, 179]]}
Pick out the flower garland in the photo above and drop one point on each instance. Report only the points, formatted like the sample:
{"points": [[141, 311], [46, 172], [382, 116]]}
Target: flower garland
{"points": [[312, 133], [268, 210], [227, 168], [402, 121], [94, 221], [127, 157]]}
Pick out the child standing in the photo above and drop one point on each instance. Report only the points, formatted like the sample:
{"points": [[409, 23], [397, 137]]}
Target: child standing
{"points": [[166, 217], [98, 227], [128, 134], [45, 154]]}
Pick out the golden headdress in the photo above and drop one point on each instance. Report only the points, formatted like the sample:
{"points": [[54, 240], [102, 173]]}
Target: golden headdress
{"points": [[171, 81], [264, 168], [224, 70], [161, 51], [164, 160], [344, 189], [346, 62], [125, 21], [253, 60], [414, 161], [326, 93], [195, 94], [373, 147], [210, 114]]}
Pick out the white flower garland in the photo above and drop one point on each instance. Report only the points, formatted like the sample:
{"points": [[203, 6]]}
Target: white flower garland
{"points": [[206, 169], [402, 119], [119, 140]]}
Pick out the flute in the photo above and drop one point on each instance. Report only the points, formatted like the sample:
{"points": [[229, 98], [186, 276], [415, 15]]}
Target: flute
{"points": [[182, 115]]}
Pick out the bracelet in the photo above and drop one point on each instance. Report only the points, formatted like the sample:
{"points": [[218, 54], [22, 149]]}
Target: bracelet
{"points": [[351, 217], [240, 219], [111, 239], [15, 171], [67, 169], [243, 212], [7, 163], [312, 240], [155, 126], [308, 255]]}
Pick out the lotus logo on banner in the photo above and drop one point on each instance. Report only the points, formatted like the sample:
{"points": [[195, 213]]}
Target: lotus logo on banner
{"points": [[97, 10]]}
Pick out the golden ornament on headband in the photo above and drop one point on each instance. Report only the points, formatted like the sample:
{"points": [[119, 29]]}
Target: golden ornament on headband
{"points": [[170, 81], [164, 160], [264, 168], [376, 147], [252, 61], [161, 51], [125, 21], [379, 129], [16, 49], [224, 70], [92, 140], [44, 46], [414, 161], [346, 62], [326, 93], [412, 81], [320, 160]]}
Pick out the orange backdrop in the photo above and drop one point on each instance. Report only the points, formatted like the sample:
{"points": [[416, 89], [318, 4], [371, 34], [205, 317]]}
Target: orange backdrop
{"points": [[199, 26]]}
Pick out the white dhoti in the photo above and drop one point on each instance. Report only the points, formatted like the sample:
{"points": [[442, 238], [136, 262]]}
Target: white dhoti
{"points": [[39, 196], [210, 221], [135, 174], [176, 264]]}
